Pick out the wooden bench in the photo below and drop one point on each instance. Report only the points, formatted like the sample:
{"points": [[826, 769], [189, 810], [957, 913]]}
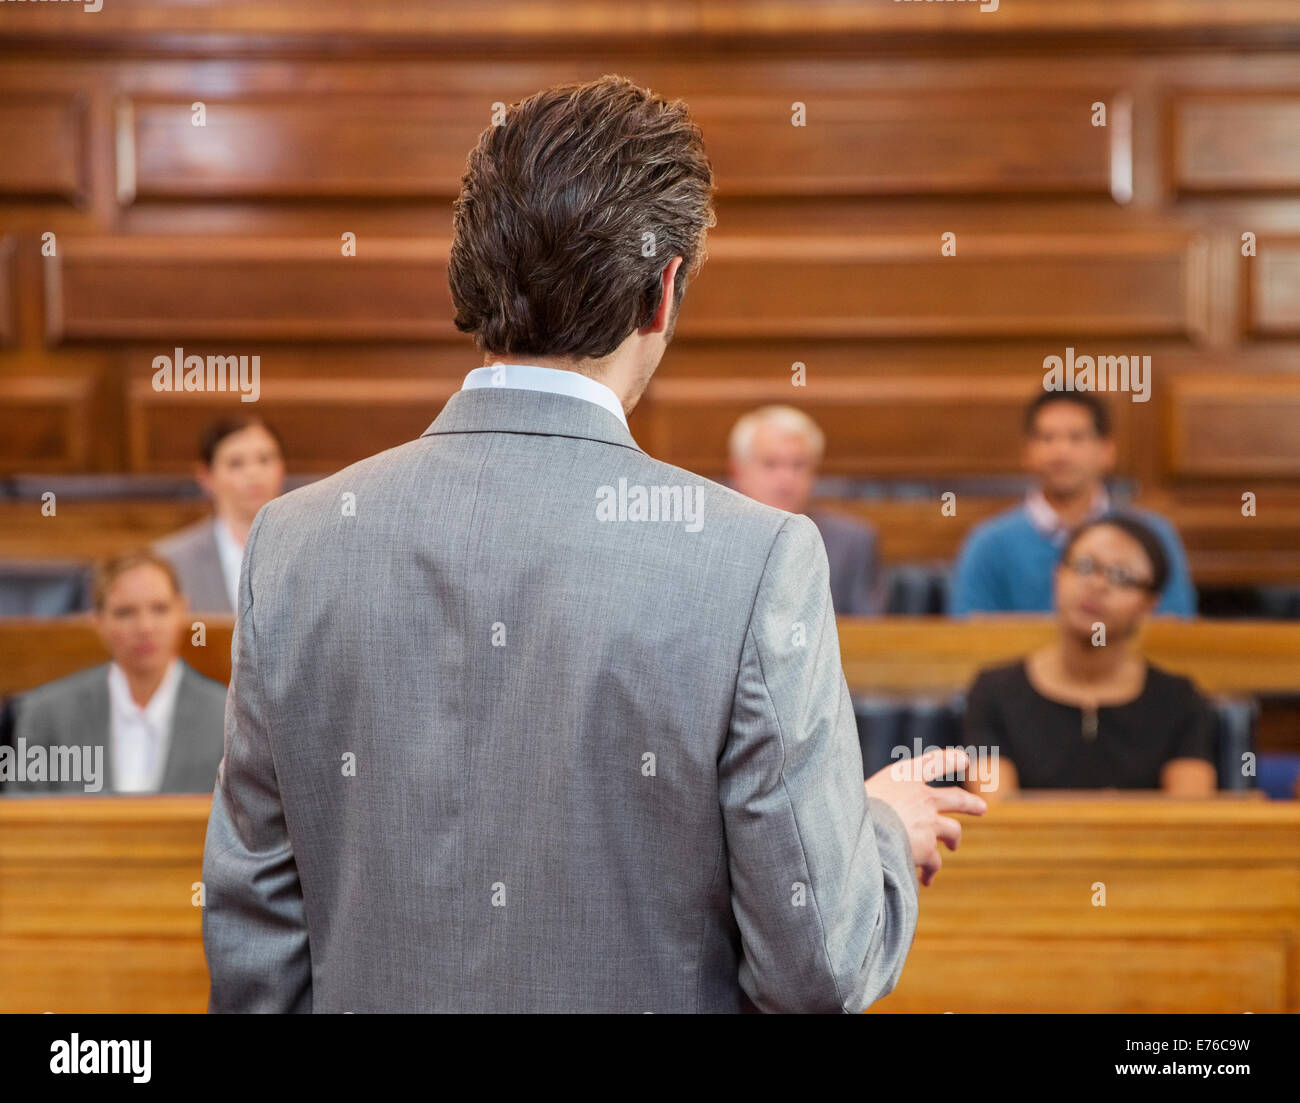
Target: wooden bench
{"points": [[880, 654], [1223, 548]]}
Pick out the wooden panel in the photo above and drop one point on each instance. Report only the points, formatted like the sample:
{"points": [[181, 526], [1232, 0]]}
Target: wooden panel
{"points": [[374, 146], [325, 423], [896, 144], [879, 654], [1272, 282], [1134, 284], [84, 530], [1236, 142], [1172, 974], [34, 651], [1223, 547], [889, 426], [1009, 924], [8, 291], [95, 905], [44, 422], [551, 24], [44, 142], [175, 288], [935, 654], [1225, 425], [326, 146]]}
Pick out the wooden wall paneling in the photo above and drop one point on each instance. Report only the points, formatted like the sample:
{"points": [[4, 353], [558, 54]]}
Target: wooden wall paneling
{"points": [[326, 423], [45, 422], [1137, 284], [1233, 141], [44, 140], [953, 141], [8, 291], [590, 24], [329, 145], [1271, 284], [1226, 425], [243, 289]]}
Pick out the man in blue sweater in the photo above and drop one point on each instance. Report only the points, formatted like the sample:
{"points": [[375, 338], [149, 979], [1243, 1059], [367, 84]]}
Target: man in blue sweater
{"points": [[1006, 562]]}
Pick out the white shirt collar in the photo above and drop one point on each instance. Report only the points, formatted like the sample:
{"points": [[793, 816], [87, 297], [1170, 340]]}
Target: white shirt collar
{"points": [[231, 553], [141, 737], [1047, 521], [533, 377]]}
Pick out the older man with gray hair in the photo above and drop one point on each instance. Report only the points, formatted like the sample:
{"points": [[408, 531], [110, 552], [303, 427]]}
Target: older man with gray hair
{"points": [[774, 454]]}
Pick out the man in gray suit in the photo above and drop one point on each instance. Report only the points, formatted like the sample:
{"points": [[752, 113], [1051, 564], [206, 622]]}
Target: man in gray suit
{"points": [[522, 719], [774, 452], [146, 722]]}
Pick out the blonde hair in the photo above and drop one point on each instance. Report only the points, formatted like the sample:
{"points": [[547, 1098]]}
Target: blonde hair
{"points": [[110, 570], [789, 418]]}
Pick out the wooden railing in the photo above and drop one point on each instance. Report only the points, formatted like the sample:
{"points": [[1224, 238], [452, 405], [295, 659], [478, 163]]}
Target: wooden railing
{"points": [[1065, 904]]}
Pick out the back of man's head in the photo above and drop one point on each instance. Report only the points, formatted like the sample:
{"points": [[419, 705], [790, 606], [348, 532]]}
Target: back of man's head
{"points": [[569, 212]]}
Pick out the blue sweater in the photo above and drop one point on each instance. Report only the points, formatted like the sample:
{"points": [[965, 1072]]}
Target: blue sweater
{"points": [[1006, 564]]}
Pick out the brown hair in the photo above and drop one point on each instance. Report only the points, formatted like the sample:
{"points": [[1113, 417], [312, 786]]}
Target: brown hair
{"points": [[110, 570], [217, 431], [1096, 408], [554, 215]]}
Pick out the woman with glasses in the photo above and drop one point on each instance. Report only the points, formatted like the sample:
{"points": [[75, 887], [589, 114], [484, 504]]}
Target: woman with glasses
{"points": [[1087, 711]]}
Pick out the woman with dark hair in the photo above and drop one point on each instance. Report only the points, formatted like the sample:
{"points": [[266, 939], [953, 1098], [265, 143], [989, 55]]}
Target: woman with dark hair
{"points": [[241, 468], [1087, 711]]}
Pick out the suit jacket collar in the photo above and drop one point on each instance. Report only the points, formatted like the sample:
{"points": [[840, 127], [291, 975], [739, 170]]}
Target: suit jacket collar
{"points": [[508, 410], [94, 705], [187, 718]]}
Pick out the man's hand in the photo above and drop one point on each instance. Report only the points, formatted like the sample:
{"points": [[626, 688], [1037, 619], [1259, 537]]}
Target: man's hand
{"points": [[902, 785]]}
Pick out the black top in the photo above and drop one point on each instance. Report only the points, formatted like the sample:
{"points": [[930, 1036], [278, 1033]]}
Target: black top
{"points": [[1056, 746]]}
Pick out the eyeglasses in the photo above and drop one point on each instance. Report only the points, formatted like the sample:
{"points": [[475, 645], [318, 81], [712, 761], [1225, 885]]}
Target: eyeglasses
{"points": [[1085, 565]]}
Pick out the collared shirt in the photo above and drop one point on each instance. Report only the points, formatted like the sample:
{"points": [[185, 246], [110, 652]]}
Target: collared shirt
{"points": [[533, 377], [231, 552], [141, 737], [1048, 522]]}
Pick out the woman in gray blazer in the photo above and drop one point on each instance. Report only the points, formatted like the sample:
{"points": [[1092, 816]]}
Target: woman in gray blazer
{"points": [[241, 468]]}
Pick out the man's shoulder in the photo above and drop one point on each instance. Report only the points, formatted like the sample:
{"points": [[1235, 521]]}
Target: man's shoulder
{"points": [[323, 496]]}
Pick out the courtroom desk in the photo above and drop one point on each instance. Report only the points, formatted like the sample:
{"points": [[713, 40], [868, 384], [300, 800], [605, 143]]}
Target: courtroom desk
{"points": [[1202, 909], [95, 903], [87, 529], [886, 655], [905, 655], [36, 650]]}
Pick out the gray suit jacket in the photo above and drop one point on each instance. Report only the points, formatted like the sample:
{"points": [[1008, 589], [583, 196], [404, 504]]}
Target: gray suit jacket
{"points": [[487, 751], [193, 552], [74, 712], [851, 553]]}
